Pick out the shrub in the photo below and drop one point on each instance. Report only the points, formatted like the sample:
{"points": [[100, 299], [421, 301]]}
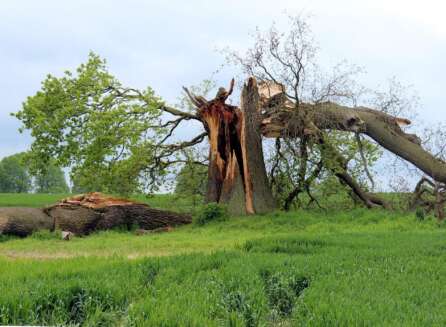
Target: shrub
{"points": [[420, 214], [211, 212]]}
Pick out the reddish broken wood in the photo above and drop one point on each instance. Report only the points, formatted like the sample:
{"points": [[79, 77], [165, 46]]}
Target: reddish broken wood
{"points": [[236, 173]]}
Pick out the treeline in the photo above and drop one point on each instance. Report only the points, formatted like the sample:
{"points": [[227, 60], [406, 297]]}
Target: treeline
{"points": [[15, 177]]}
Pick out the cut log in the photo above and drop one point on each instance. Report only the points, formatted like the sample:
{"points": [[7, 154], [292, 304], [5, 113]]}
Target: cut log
{"points": [[23, 221], [91, 212]]}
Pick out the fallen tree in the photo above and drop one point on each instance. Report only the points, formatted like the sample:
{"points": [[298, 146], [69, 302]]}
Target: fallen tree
{"points": [[118, 137], [23, 221], [84, 214], [91, 212], [283, 121]]}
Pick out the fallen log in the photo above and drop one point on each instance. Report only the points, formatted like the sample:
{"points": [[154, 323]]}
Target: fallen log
{"points": [[91, 212], [23, 221], [84, 214]]}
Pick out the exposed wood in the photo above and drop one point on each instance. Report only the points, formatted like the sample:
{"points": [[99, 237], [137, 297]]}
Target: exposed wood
{"points": [[91, 212], [259, 197], [236, 173]]}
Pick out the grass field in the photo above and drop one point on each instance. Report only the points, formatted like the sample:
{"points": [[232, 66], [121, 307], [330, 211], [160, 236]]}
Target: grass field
{"points": [[304, 268]]}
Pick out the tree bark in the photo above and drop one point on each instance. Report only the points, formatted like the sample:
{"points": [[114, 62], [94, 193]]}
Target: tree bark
{"points": [[85, 214], [23, 221], [282, 120], [258, 194], [236, 174]]}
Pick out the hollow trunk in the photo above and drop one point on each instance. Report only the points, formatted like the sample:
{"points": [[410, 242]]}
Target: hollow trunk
{"points": [[237, 175]]}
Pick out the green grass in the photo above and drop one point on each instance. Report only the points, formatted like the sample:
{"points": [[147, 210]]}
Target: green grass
{"points": [[29, 200], [41, 200], [304, 268]]}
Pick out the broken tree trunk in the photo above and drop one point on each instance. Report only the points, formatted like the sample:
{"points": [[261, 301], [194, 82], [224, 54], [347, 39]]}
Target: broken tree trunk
{"points": [[23, 221], [281, 120], [258, 195], [338, 165], [91, 212], [430, 196], [237, 174]]}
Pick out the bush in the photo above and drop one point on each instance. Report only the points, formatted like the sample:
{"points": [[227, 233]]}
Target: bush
{"points": [[420, 214], [211, 212]]}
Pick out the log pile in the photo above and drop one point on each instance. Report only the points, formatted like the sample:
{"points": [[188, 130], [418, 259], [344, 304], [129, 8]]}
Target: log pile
{"points": [[84, 214]]}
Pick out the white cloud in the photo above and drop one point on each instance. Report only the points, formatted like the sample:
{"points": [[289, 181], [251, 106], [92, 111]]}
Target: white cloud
{"points": [[166, 44]]}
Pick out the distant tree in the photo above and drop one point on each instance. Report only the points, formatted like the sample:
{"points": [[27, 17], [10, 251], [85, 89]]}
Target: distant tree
{"points": [[191, 180], [77, 187], [14, 176], [51, 181]]}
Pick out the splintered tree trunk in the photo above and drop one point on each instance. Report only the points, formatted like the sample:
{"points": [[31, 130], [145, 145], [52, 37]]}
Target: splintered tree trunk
{"points": [[257, 190], [237, 174]]}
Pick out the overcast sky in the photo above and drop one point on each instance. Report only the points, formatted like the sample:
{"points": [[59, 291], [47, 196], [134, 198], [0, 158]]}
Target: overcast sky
{"points": [[167, 44]]}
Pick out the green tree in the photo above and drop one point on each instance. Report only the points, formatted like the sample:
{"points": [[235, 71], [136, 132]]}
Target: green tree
{"points": [[52, 180], [191, 181], [112, 138], [14, 176]]}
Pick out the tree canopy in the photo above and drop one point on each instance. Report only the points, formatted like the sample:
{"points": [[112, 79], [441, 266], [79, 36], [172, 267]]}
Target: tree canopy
{"points": [[51, 180], [113, 138], [14, 176]]}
